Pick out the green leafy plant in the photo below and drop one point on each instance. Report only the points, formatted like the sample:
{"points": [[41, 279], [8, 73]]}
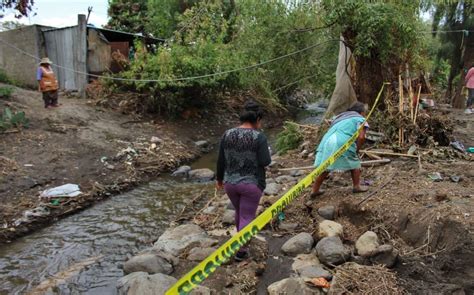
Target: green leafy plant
{"points": [[10, 119], [289, 139], [6, 92], [3, 77]]}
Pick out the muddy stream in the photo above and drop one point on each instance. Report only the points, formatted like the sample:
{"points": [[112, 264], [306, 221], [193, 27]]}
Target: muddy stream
{"points": [[85, 251]]}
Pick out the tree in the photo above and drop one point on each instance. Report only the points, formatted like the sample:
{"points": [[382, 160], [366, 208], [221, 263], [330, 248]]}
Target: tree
{"points": [[128, 16], [456, 19], [22, 7], [10, 25]]}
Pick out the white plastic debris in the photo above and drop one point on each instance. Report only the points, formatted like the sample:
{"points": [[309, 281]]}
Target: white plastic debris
{"points": [[66, 190]]}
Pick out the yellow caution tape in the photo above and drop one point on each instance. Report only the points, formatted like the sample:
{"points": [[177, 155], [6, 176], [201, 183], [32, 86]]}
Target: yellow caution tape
{"points": [[199, 273]]}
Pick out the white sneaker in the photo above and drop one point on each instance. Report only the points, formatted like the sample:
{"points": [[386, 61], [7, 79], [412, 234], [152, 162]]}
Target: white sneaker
{"points": [[468, 111]]}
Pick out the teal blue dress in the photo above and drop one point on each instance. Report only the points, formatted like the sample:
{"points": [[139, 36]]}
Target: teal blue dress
{"points": [[344, 127]]}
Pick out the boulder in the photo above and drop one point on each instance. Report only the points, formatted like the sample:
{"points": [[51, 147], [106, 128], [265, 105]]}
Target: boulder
{"points": [[272, 189], [141, 283], [285, 179], [148, 262], [229, 217], [331, 251], [328, 228], [327, 212], [292, 286], [386, 255], [199, 254], [299, 244], [201, 175], [367, 244], [182, 171], [175, 240]]}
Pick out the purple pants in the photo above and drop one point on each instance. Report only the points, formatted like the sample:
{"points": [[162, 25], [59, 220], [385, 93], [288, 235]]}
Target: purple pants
{"points": [[245, 197]]}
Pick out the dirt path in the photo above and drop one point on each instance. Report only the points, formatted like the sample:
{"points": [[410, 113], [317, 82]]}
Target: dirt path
{"points": [[82, 144]]}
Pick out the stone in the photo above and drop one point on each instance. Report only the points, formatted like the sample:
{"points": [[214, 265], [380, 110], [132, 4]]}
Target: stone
{"points": [[285, 179], [292, 286], [331, 251], [182, 171], [270, 180], [304, 260], [386, 255], [148, 262], [308, 266], [175, 240], [296, 173], [110, 167], [142, 283], [155, 139], [288, 226], [209, 210], [314, 272], [367, 244], [327, 212], [202, 175], [229, 217], [200, 290], [299, 244], [202, 144], [199, 254], [328, 228], [272, 189], [304, 154]]}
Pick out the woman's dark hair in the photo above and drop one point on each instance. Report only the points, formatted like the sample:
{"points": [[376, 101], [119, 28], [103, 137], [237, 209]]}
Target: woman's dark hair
{"points": [[251, 113], [357, 107]]}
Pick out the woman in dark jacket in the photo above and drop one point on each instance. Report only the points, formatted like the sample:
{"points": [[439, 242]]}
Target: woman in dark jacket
{"points": [[243, 156]]}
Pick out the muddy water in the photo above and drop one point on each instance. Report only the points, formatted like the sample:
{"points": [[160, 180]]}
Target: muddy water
{"points": [[112, 230]]}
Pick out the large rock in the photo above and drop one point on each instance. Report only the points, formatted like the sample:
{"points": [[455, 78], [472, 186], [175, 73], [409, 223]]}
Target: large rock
{"points": [[328, 228], [272, 189], [200, 290], [182, 171], [367, 244], [327, 212], [176, 239], [308, 266], [331, 251], [229, 217], [148, 262], [285, 179], [386, 255], [201, 175], [199, 254], [292, 286], [141, 283], [299, 244]]}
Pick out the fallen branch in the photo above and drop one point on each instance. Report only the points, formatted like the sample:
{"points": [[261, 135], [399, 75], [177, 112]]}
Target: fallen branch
{"points": [[388, 154], [363, 163]]}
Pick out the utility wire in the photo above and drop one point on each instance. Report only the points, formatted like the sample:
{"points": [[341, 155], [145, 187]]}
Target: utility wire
{"points": [[182, 78]]}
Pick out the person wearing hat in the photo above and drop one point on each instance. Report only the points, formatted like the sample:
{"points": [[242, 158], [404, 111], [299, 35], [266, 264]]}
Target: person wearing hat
{"points": [[48, 84]]}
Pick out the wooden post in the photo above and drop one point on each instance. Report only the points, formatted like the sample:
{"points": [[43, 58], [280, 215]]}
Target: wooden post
{"points": [[400, 107], [417, 105], [80, 54]]}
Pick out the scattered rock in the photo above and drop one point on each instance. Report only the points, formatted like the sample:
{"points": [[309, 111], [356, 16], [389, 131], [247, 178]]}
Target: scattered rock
{"points": [[110, 167], [308, 266], [314, 272], [296, 173], [291, 286], [176, 239], [141, 283], [331, 251], [288, 226], [304, 154], [367, 244], [285, 179], [441, 196], [270, 180], [201, 175], [327, 212], [209, 210], [203, 145], [328, 228], [182, 171], [386, 255], [301, 243], [148, 262], [304, 260], [272, 189], [229, 217], [200, 290], [199, 254], [155, 139]]}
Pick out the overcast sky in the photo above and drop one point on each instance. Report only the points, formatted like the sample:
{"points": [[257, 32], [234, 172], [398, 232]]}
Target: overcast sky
{"points": [[60, 13]]}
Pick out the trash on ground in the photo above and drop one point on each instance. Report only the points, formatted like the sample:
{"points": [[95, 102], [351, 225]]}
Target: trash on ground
{"points": [[318, 282], [66, 190], [455, 178], [39, 211], [435, 176], [458, 146]]}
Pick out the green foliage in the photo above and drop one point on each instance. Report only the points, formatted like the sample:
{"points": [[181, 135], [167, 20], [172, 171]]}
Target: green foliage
{"points": [[128, 16], [9, 119], [289, 139], [6, 92], [3, 77]]}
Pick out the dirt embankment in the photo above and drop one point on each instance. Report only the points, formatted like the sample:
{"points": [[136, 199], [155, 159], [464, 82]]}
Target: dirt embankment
{"points": [[429, 224], [103, 151]]}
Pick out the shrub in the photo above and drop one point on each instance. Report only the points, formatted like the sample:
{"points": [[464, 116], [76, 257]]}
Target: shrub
{"points": [[6, 92], [289, 139], [3, 77], [9, 119]]}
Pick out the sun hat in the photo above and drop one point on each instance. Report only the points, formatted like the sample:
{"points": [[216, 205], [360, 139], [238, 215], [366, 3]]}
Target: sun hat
{"points": [[46, 60]]}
